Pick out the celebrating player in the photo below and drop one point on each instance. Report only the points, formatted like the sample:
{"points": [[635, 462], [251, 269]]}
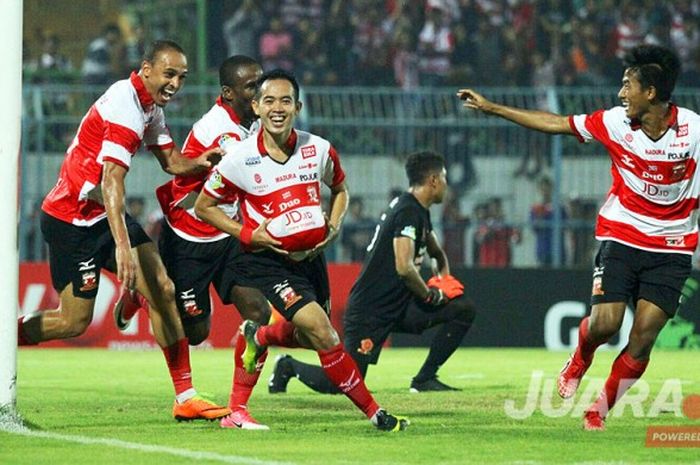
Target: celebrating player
{"points": [[85, 225], [648, 224], [390, 295], [196, 254], [277, 177]]}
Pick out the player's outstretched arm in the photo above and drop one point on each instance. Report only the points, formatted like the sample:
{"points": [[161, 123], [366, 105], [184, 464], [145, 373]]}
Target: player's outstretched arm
{"points": [[172, 161], [533, 119]]}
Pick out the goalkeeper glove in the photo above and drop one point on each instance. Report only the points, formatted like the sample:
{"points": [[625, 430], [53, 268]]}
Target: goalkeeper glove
{"points": [[448, 285]]}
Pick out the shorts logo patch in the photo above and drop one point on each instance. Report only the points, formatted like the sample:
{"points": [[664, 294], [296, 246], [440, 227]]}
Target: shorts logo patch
{"points": [[287, 294], [366, 346], [89, 281], [598, 281], [191, 308]]}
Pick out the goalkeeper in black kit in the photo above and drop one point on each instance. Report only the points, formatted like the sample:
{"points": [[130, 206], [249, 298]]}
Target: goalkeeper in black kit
{"points": [[391, 296]]}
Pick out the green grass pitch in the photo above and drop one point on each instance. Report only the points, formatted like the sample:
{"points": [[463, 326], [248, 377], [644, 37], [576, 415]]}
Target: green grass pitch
{"points": [[90, 406]]}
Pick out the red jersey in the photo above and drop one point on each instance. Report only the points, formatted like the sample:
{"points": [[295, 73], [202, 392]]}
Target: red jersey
{"points": [[176, 197], [113, 129], [653, 201], [288, 193]]}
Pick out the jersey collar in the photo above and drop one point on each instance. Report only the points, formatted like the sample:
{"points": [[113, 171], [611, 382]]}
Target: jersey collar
{"points": [[231, 112], [671, 123], [291, 142], [145, 98]]}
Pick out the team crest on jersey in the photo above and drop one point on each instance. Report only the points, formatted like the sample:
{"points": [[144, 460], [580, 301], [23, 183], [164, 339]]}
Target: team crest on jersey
{"points": [[366, 346], [89, 279], [410, 232], [308, 152], [257, 178], [313, 194], [629, 137], [678, 171], [675, 241], [682, 130]]}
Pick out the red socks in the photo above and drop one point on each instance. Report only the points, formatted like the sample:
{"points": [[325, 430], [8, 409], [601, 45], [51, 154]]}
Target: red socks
{"points": [[624, 373], [585, 348], [177, 357], [243, 382], [342, 371], [280, 334], [22, 338]]}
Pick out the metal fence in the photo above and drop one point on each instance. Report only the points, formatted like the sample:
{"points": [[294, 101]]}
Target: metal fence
{"points": [[372, 128]]}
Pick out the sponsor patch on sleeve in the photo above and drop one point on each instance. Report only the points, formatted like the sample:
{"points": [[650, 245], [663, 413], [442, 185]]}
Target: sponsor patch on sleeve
{"points": [[409, 231]]}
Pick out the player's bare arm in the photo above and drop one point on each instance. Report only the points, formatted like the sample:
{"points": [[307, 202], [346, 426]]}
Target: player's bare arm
{"points": [[436, 251], [207, 209], [533, 119], [113, 194], [172, 161], [404, 251]]}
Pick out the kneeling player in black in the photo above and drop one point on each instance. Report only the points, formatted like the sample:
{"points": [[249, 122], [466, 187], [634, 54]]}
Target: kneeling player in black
{"points": [[390, 295]]}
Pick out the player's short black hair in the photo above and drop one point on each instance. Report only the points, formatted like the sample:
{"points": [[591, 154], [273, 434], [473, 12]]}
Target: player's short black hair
{"points": [[277, 74], [420, 165], [656, 66], [158, 46], [228, 69]]}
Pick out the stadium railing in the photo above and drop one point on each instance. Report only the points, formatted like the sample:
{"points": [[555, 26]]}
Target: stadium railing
{"points": [[372, 128]]}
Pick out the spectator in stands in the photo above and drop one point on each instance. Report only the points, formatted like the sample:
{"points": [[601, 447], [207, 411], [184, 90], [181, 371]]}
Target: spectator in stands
{"points": [[454, 228], [241, 31], [371, 48], [51, 64], [495, 237], [542, 222], [435, 46], [276, 45], [98, 66], [582, 214], [357, 231]]}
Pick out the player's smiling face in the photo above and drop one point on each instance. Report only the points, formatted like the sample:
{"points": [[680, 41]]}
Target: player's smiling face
{"points": [[277, 106], [165, 75], [634, 98]]}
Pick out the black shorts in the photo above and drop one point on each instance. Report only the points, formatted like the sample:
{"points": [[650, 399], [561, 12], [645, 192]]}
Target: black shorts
{"points": [[287, 285], [365, 340], [193, 266], [78, 253], [624, 273]]}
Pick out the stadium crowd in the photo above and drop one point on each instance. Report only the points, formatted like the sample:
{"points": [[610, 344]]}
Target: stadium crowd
{"points": [[412, 43]]}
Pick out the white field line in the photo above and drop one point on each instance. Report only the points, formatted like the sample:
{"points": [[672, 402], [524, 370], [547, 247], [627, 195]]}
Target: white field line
{"points": [[150, 448]]}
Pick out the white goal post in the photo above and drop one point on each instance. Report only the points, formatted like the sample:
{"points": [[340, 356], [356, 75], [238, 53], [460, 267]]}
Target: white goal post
{"points": [[10, 122]]}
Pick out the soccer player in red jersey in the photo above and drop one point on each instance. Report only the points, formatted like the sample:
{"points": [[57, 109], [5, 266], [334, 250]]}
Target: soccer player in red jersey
{"points": [[197, 255], [84, 222], [648, 223], [277, 176]]}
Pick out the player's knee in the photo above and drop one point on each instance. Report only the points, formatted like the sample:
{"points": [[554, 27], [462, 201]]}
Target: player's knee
{"points": [[196, 334], [465, 312], [603, 327], [254, 309], [322, 336]]}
